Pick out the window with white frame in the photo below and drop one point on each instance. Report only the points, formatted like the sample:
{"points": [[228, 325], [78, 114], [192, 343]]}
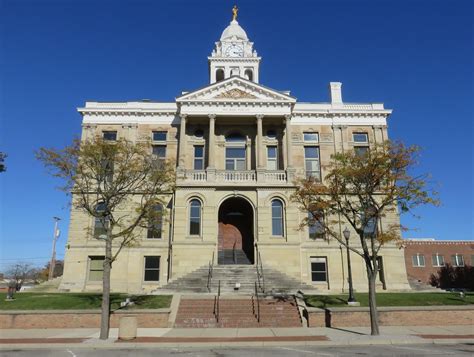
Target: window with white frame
{"points": [[159, 135], [316, 225], [437, 260], [277, 218], [360, 137], [312, 165], [152, 268], [418, 260], [96, 268], [195, 217], [310, 136], [155, 222], [198, 157], [235, 152], [109, 135], [272, 158], [319, 269], [457, 260]]}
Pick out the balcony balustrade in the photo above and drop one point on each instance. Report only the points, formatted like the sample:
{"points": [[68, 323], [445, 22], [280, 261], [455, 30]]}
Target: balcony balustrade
{"points": [[248, 177]]}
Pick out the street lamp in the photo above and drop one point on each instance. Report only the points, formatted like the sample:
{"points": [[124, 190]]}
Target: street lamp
{"points": [[52, 263], [347, 234]]}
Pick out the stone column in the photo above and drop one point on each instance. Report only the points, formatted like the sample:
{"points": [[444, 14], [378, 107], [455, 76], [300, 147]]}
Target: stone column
{"points": [[212, 142], [182, 142], [289, 153], [260, 157]]}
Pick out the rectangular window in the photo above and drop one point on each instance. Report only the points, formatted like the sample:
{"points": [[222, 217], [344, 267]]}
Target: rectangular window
{"points": [[312, 166], [360, 137], [198, 157], [437, 260], [109, 135], [316, 228], [361, 150], [319, 269], [457, 260], [418, 260], [96, 268], [159, 136], [272, 161], [314, 137], [159, 152], [235, 159], [152, 268]]}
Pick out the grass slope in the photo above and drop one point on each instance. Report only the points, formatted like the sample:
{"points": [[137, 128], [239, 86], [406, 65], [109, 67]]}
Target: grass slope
{"points": [[392, 299], [80, 301]]}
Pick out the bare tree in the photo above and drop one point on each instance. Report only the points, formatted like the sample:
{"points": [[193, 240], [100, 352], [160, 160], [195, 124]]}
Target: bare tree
{"points": [[362, 190], [119, 184], [20, 272]]}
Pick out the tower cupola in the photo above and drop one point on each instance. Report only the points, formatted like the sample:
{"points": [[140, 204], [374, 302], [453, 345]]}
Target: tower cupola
{"points": [[233, 54]]}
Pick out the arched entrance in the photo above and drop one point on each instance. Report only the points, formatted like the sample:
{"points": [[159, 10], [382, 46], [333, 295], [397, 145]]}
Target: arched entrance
{"points": [[235, 238]]}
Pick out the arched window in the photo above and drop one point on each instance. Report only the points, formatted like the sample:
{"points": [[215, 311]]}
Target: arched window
{"points": [[101, 223], [235, 152], [277, 218], [195, 217], [219, 75], [155, 219], [249, 74]]}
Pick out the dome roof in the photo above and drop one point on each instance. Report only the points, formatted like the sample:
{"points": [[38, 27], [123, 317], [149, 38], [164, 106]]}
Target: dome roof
{"points": [[234, 29]]}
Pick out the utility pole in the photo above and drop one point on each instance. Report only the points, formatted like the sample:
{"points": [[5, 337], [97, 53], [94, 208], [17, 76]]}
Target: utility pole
{"points": [[52, 263]]}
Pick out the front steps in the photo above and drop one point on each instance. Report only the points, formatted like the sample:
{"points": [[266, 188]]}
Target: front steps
{"points": [[229, 275], [237, 313]]}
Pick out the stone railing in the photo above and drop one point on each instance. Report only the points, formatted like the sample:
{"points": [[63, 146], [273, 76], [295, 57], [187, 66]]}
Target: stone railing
{"points": [[236, 176], [247, 177]]}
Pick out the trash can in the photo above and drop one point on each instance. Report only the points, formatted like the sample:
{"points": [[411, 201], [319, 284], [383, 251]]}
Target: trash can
{"points": [[127, 328]]}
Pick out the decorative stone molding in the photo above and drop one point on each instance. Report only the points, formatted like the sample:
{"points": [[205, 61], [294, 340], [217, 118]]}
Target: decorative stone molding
{"points": [[235, 94]]}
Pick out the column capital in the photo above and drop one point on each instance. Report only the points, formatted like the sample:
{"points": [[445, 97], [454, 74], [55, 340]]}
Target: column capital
{"points": [[259, 116], [183, 116], [212, 116], [288, 117]]}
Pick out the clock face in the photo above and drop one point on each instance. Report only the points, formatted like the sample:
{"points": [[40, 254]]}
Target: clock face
{"points": [[234, 51]]}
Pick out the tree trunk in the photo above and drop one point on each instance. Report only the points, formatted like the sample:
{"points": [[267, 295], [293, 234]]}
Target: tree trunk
{"points": [[374, 316], [105, 314]]}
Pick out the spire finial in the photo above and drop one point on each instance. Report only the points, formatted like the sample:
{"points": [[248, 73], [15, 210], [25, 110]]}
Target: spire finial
{"points": [[235, 10]]}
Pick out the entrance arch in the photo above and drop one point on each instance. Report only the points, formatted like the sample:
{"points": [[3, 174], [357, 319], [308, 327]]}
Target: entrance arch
{"points": [[235, 238]]}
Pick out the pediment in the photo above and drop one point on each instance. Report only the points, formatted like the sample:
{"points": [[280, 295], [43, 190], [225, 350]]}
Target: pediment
{"points": [[236, 89]]}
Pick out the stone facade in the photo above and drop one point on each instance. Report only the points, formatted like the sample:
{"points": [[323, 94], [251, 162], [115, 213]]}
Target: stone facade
{"points": [[238, 147], [425, 257]]}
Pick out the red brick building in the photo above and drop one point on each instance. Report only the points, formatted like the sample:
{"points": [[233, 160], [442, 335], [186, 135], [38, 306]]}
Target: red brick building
{"points": [[424, 257]]}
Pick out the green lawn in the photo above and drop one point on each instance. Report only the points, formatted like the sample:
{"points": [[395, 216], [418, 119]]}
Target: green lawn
{"points": [[392, 299], [71, 301]]}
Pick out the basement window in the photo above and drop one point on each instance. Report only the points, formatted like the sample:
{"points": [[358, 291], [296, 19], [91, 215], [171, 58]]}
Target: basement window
{"points": [[152, 268], [319, 269]]}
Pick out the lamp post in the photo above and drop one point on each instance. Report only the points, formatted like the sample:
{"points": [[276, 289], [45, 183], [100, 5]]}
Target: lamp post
{"points": [[347, 234], [52, 263]]}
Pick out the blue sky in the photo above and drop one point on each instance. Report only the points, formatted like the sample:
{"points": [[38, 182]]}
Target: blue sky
{"points": [[415, 56]]}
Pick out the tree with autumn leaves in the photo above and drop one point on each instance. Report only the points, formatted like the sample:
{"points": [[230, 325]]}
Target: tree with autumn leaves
{"points": [[120, 184], [366, 191]]}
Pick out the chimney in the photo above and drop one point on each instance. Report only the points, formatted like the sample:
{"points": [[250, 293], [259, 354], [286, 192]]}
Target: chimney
{"points": [[335, 93]]}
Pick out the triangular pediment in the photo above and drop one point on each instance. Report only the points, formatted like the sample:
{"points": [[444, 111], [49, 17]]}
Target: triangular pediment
{"points": [[236, 89]]}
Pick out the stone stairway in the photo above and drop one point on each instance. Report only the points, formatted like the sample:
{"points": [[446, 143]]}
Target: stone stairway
{"points": [[229, 256], [230, 275], [238, 313]]}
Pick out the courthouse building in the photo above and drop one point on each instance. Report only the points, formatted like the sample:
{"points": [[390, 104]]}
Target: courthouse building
{"points": [[238, 146]]}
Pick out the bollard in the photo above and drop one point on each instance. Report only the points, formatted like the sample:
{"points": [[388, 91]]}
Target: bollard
{"points": [[127, 328]]}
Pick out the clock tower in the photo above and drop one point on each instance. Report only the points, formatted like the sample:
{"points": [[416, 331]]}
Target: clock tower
{"points": [[233, 55]]}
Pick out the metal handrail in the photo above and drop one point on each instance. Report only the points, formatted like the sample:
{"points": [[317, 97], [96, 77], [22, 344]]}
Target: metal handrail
{"points": [[217, 299], [210, 272], [260, 276], [258, 302]]}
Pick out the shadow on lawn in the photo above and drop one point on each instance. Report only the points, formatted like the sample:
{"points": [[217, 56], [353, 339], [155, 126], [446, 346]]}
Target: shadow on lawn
{"points": [[325, 301]]}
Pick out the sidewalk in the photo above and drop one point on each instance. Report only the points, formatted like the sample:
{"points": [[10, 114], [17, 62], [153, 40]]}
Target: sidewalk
{"points": [[174, 337]]}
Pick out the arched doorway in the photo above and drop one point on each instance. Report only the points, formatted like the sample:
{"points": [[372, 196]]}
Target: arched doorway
{"points": [[235, 238]]}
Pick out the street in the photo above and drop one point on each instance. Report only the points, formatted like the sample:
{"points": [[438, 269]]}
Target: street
{"points": [[464, 349]]}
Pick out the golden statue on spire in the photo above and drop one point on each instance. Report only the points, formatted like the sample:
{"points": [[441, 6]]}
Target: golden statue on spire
{"points": [[235, 10]]}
